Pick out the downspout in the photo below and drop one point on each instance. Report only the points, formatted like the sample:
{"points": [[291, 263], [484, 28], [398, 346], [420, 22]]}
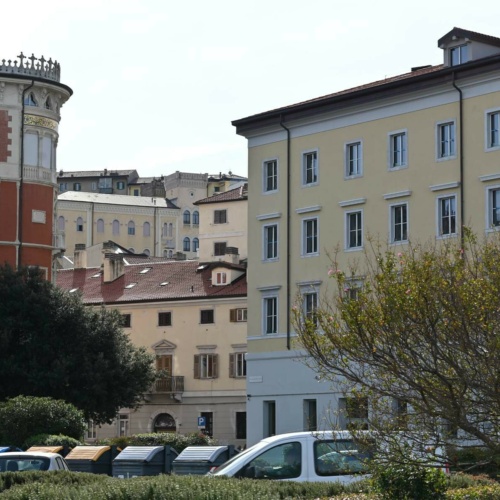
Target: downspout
{"points": [[92, 224], [155, 246], [461, 135], [21, 180], [288, 224]]}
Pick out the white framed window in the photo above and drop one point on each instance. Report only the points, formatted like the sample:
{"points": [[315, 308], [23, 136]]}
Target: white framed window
{"points": [[446, 148], [459, 55], [399, 223], [91, 430], [309, 168], [206, 365], [398, 150], [493, 208], [220, 278], [270, 176], [447, 215], [354, 230], [354, 159], [47, 152], [30, 149], [238, 315], [493, 129], [310, 299], [310, 236], [237, 365], [270, 239], [123, 425], [270, 314]]}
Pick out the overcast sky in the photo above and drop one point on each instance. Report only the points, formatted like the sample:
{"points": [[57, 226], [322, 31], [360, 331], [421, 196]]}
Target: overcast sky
{"points": [[156, 82]]}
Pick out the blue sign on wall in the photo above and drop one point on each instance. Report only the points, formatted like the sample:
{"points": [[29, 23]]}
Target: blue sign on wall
{"points": [[202, 422]]}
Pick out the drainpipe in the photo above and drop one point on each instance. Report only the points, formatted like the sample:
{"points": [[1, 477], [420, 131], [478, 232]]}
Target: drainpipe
{"points": [[21, 180], [288, 224], [462, 201]]}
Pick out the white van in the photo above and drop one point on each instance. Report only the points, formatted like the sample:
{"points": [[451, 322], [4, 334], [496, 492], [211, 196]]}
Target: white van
{"points": [[300, 456]]}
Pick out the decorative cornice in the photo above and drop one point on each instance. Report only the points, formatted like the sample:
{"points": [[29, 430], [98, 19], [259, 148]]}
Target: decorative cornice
{"points": [[274, 215], [397, 194], [356, 201], [40, 67], [40, 121], [306, 210], [442, 187], [490, 177]]}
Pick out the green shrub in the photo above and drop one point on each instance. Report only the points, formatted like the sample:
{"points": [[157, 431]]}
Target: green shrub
{"points": [[410, 480], [491, 492], [475, 460], [51, 440], [25, 416]]}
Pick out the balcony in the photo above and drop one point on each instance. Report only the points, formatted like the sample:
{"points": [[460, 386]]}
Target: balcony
{"points": [[105, 190], [168, 385]]}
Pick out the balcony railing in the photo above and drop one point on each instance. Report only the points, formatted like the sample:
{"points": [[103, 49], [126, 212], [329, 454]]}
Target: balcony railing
{"points": [[168, 385], [105, 190]]}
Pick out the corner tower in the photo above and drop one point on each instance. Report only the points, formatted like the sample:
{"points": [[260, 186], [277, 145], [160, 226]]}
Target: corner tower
{"points": [[31, 97]]}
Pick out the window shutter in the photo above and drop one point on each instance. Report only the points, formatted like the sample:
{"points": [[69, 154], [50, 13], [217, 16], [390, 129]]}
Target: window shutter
{"points": [[233, 315], [216, 365], [232, 373], [196, 366]]}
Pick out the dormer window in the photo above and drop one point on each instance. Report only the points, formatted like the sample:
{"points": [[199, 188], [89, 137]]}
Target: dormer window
{"points": [[30, 100], [221, 278], [459, 55]]}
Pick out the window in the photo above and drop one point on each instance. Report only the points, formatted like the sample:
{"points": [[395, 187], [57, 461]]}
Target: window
{"points": [[63, 186], [354, 230], [94, 186], [458, 55], [146, 229], [61, 223], [310, 236], [123, 424], [397, 150], [186, 244], [446, 140], [270, 176], [91, 430], [105, 185], [493, 130], [131, 228], [206, 316], [206, 365], [79, 224], [186, 218], [196, 218], [30, 149], [310, 168], [354, 160], [269, 418], [494, 207], [310, 415], [270, 315], [136, 192], [447, 214], [209, 423], [237, 365], [30, 100], [220, 278], [399, 223], [165, 319], [241, 425], [238, 315], [120, 185], [216, 189], [146, 252], [219, 248], [271, 242], [220, 216], [310, 305], [352, 287], [196, 244], [353, 412], [47, 152], [100, 226], [77, 186], [116, 227], [126, 320]]}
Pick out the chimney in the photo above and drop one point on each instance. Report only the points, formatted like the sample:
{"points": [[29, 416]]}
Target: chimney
{"points": [[113, 267], [232, 255], [80, 257], [180, 256]]}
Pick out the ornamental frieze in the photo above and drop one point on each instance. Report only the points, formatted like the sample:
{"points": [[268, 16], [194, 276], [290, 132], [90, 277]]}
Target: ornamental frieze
{"points": [[40, 121]]}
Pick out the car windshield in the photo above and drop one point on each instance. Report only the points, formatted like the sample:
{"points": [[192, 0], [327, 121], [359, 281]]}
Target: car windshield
{"points": [[22, 463], [236, 457]]}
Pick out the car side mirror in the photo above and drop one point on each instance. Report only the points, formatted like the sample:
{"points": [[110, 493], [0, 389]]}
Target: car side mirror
{"points": [[249, 472]]}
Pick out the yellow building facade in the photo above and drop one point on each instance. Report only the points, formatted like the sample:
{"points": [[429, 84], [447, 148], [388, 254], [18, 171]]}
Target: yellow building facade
{"points": [[410, 157]]}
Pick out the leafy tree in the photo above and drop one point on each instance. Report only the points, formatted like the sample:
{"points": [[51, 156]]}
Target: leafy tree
{"points": [[25, 416], [52, 345], [416, 331]]}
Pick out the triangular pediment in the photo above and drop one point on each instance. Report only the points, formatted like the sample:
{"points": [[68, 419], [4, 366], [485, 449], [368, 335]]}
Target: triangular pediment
{"points": [[163, 345]]}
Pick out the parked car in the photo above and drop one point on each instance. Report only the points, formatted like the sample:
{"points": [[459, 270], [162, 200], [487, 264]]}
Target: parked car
{"points": [[300, 456], [19, 461]]}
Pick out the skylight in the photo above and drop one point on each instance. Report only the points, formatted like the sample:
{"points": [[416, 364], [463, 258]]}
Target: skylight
{"points": [[145, 270], [164, 283], [131, 285], [73, 290], [98, 275]]}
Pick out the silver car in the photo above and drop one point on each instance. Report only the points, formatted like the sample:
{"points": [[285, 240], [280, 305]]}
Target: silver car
{"points": [[19, 461]]}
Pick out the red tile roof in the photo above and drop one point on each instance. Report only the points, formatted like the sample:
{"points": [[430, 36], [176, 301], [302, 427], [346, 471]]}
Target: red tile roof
{"points": [[239, 193], [183, 282]]}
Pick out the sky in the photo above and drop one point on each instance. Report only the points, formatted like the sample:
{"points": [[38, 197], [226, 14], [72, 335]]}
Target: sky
{"points": [[157, 83]]}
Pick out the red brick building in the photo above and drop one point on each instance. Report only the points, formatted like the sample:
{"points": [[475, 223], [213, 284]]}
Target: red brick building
{"points": [[31, 97]]}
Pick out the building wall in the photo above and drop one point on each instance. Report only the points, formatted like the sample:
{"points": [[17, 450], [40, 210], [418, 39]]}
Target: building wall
{"points": [[424, 179]]}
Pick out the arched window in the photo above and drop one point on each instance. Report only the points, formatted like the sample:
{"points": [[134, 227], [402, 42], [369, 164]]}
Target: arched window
{"points": [[170, 253], [165, 230], [131, 228], [164, 422], [100, 226], [165, 253], [131, 250], [196, 244], [170, 229], [196, 218], [146, 252], [116, 227], [60, 223], [79, 224], [30, 100], [186, 218], [146, 229], [186, 244]]}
